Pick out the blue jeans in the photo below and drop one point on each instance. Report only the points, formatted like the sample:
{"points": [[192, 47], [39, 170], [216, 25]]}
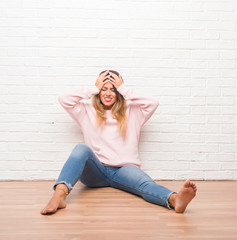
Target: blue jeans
{"points": [[84, 165]]}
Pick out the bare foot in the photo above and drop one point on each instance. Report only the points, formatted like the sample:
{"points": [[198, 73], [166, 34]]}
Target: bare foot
{"points": [[57, 201], [184, 196]]}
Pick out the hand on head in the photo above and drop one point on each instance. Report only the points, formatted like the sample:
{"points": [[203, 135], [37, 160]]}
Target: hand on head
{"points": [[115, 80], [108, 77]]}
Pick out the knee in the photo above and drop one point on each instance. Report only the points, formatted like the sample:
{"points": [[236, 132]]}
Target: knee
{"points": [[81, 149]]}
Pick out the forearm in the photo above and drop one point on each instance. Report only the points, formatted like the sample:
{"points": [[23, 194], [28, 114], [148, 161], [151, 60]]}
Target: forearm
{"points": [[146, 103], [69, 100]]}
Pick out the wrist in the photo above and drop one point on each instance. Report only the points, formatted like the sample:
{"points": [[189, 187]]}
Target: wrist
{"points": [[121, 86], [97, 86], [95, 89]]}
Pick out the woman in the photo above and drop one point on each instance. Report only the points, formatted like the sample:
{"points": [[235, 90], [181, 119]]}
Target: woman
{"points": [[111, 132]]}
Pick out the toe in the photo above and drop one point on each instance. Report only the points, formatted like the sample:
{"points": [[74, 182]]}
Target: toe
{"points": [[51, 210], [43, 211], [47, 211], [192, 185], [187, 183]]}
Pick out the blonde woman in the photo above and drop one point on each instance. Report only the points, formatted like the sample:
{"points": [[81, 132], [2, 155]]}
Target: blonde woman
{"points": [[109, 157]]}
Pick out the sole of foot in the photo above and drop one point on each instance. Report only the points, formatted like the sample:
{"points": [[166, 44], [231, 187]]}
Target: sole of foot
{"points": [[184, 196]]}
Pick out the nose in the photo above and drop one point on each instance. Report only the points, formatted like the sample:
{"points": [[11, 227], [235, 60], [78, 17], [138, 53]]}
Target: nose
{"points": [[108, 92]]}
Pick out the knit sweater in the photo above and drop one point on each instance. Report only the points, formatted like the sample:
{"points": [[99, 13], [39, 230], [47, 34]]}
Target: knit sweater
{"points": [[111, 148]]}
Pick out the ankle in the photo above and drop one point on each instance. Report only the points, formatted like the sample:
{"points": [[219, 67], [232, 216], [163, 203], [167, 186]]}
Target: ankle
{"points": [[172, 199], [61, 190]]}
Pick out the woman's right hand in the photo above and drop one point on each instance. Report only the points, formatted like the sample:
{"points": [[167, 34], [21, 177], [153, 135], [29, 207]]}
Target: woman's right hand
{"points": [[102, 80]]}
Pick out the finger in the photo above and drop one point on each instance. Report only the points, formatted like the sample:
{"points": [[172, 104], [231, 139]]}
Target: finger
{"points": [[114, 75], [105, 81], [111, 76], [105, 73], [113, 83], [112, 79], [105, 77]]}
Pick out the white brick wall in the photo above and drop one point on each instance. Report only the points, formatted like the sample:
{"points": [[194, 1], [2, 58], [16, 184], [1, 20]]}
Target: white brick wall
{"points": [[181, 51]]}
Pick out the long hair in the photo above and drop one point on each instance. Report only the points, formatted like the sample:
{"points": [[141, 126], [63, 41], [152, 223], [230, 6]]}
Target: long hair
{"points": [[118, 109]]}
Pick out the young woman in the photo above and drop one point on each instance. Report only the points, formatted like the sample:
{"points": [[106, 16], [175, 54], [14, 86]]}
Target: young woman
{"points": [[109, 158]]}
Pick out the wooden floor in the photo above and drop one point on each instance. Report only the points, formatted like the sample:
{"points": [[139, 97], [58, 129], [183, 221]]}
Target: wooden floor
{"points": [[107, 213]]}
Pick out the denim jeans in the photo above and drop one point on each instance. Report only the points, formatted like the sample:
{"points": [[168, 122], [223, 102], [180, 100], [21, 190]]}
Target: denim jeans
{"points": [[84, 165]]}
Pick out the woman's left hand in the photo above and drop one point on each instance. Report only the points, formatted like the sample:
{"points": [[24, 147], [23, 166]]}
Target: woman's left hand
{"points": [[115, 80]]}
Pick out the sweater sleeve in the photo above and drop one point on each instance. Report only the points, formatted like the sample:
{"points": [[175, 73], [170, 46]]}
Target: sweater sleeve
{"points": [[145, 105], [71, 102]]}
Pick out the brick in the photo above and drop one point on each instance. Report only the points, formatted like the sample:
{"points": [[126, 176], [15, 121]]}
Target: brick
{"points": [[229, 129], [220, 6], [154, 156], [208, 110], [191, 101], [222, 64], [220, 44], [221, 175], [206, 16], [190, 138], [205, 129], [205, 54], [220, 138], [186, 156], [158, 175], [191, 119], [229, 92], [228, 148], [221, 101], [221, 157], [210, 91], [183, 175], [227, 55], [228, 166], [203, 148], [229, 110], [205, 166]]}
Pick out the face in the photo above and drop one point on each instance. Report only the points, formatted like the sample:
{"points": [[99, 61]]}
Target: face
{"points": [[108, 95]]}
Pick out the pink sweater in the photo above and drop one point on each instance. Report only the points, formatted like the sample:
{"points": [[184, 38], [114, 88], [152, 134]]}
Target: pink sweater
{"points": [[109, 145]]}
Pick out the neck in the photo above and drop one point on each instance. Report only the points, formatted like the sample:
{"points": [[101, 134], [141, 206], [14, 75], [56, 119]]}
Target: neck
{"points": [[107, 108]]}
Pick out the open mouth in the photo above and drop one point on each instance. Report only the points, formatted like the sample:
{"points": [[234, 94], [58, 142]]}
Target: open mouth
{"points": [[108, 99]]}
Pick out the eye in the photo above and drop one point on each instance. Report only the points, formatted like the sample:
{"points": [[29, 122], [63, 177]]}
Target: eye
{"points": [[112, 90]]}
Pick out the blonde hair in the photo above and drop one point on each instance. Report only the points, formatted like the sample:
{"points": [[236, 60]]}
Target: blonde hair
{"points": [[118, 110]]}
